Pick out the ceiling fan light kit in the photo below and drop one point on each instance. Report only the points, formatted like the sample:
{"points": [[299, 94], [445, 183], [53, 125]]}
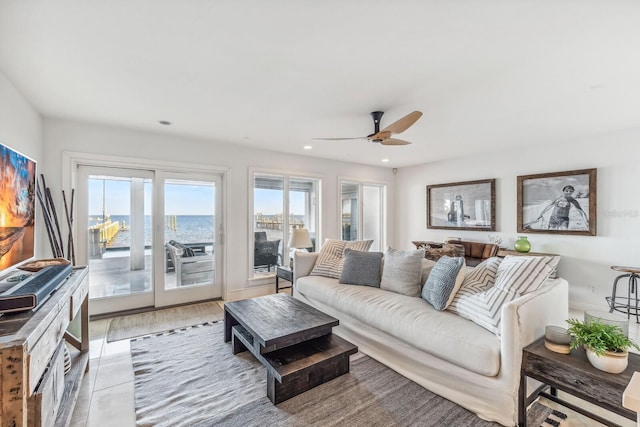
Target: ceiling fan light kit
{"points": [[383, 136]]}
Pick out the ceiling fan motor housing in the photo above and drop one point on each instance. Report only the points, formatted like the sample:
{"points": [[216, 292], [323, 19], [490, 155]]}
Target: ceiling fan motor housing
{"points": [[376, 116]]}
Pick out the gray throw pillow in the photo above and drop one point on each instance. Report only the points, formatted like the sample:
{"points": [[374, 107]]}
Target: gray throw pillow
{"points": [[401, 271], [442, 281], [361, 268]]}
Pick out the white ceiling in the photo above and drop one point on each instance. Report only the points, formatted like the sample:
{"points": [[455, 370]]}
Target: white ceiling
{"points": [[275, 73]]}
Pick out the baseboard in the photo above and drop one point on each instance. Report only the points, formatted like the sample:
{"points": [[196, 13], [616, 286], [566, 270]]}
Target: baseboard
{"points": [[252, 292]]}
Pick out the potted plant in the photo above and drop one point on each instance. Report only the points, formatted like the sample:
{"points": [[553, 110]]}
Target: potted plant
{"points": [[606, 345]]}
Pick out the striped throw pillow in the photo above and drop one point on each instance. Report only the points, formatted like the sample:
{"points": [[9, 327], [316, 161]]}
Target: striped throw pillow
{"points": [[479, 279], [515, 276], [331, 258], [521, 275]]}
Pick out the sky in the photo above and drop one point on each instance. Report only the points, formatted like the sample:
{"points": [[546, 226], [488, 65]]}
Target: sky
{"points": [[180, 199]]}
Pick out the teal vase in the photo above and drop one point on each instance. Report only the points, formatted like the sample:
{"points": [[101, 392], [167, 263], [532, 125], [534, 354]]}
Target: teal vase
{"points": [[522, 244]]}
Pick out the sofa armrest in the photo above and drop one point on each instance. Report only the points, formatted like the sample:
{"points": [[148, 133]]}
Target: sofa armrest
{"points": [[524, 320], [303, 263]]}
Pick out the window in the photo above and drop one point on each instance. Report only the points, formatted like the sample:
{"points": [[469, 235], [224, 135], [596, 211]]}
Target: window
{"points": [[363, 213], [279, 203]]}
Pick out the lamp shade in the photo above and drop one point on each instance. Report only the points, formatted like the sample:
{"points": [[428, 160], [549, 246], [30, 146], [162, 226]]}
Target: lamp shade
{"points": [[299, 238]]}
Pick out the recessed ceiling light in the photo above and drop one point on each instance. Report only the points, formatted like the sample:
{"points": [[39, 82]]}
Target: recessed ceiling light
{"points": [[164, 122], [385, 160], [307, 147]]}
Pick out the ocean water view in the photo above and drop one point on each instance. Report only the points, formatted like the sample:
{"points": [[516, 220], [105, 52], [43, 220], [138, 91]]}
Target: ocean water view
{"points": [[184, 229]]}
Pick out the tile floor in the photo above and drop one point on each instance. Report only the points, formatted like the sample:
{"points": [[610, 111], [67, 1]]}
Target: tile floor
{"points": [[106, 398]]}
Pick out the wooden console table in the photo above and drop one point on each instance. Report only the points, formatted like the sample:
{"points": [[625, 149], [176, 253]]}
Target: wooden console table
{"points": [[573, 374], [34, 389]]}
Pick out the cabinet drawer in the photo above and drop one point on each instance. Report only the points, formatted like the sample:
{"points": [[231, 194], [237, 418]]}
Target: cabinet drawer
{"points": [[42, 351], [43, 404]]}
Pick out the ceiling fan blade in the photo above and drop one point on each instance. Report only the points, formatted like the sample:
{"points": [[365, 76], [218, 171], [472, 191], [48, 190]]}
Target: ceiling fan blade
{"points": [[403, 124], [393, 141], [339, 139]]}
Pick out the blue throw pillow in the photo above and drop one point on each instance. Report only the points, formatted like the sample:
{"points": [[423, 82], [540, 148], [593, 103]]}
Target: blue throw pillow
{"points": [[443, 282], [361, 268]]}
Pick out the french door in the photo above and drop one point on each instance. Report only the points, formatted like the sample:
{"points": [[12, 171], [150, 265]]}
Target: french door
{"points": [[129, 228]]}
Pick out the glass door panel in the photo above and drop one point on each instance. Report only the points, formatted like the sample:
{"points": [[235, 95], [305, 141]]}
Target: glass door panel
{"points": [[189, 224], [350, 212], [117, 247], [372, 215], [269, 224]]}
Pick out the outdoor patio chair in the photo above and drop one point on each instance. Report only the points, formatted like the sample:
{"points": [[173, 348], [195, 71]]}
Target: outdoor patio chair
{"points": [[190, 268]]}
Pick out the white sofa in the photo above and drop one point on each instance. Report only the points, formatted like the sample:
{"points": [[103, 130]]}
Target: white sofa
{"points": [[443, 352]]}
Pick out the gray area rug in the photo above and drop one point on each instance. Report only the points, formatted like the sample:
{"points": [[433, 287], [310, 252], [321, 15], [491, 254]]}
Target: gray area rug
{"points": [[166, 319], [190, 378]]}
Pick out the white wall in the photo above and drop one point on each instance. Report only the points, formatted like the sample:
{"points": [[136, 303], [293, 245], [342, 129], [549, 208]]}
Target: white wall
{"points": [[62, 135], [586, 260], [21, 130]]}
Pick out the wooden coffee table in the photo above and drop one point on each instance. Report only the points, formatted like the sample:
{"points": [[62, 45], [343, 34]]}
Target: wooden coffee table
{"points": [[291, 339]]}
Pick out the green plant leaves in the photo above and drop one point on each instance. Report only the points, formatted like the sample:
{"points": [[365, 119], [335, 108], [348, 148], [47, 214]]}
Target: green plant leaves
{"points": [[599, 336]]}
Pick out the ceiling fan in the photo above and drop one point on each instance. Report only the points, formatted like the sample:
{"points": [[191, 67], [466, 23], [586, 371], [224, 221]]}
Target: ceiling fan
{"points": [[384, 136]]}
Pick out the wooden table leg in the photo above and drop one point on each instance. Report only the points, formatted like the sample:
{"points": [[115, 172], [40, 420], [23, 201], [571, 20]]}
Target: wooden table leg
{"points": [[229, 322], [522, 401]]}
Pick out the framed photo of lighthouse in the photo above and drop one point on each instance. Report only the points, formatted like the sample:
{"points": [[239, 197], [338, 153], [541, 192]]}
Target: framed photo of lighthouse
{"points": [[558, 203], [469, 205]]}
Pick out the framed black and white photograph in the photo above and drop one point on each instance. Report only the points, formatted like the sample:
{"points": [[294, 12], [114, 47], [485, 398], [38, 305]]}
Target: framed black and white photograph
{"points": [[469, 205], [558, 203]]}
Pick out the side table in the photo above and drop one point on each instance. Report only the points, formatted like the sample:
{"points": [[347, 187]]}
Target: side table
{"points": [[284, 273], [573, 374]]}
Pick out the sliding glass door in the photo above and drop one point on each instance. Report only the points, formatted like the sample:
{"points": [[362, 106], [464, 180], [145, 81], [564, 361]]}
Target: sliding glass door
{"points": [[117, 239], [189, 223], [149, 237]]}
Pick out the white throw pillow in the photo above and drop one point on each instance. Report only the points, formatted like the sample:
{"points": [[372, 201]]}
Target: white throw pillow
{"points": [[515, 276], [523, 274], [479, 279]]}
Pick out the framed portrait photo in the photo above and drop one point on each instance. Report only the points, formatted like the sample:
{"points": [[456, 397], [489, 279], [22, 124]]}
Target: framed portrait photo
{"points": [[558, 203], [469, 205]]}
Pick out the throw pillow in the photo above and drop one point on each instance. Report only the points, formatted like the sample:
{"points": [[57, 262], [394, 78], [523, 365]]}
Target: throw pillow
{"points": [[361, 268], [401, 271], [186, 250], [479, 279], [523, 274], [444, 281], [330, 260], [515, 276]]}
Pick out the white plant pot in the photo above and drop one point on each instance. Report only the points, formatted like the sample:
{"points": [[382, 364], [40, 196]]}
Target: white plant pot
{"points": [[611, 362]]}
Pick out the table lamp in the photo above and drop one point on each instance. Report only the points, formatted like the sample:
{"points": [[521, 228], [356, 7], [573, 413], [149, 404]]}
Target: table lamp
{"points": [[298, 239]]}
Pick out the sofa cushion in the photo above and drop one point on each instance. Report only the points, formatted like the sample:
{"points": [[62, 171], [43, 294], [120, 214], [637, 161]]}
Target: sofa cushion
{"points": [[401, 271], [361, 268], [515, 276], [444, 281], [411, 320], [331, 258]]}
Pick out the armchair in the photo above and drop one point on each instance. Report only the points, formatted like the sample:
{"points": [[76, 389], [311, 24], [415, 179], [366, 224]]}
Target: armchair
{"points": [[265, 251], [190, 268]]}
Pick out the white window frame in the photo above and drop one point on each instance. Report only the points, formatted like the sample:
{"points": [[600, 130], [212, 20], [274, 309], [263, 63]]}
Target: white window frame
{"points": [[383, 207], [287, 176]]}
